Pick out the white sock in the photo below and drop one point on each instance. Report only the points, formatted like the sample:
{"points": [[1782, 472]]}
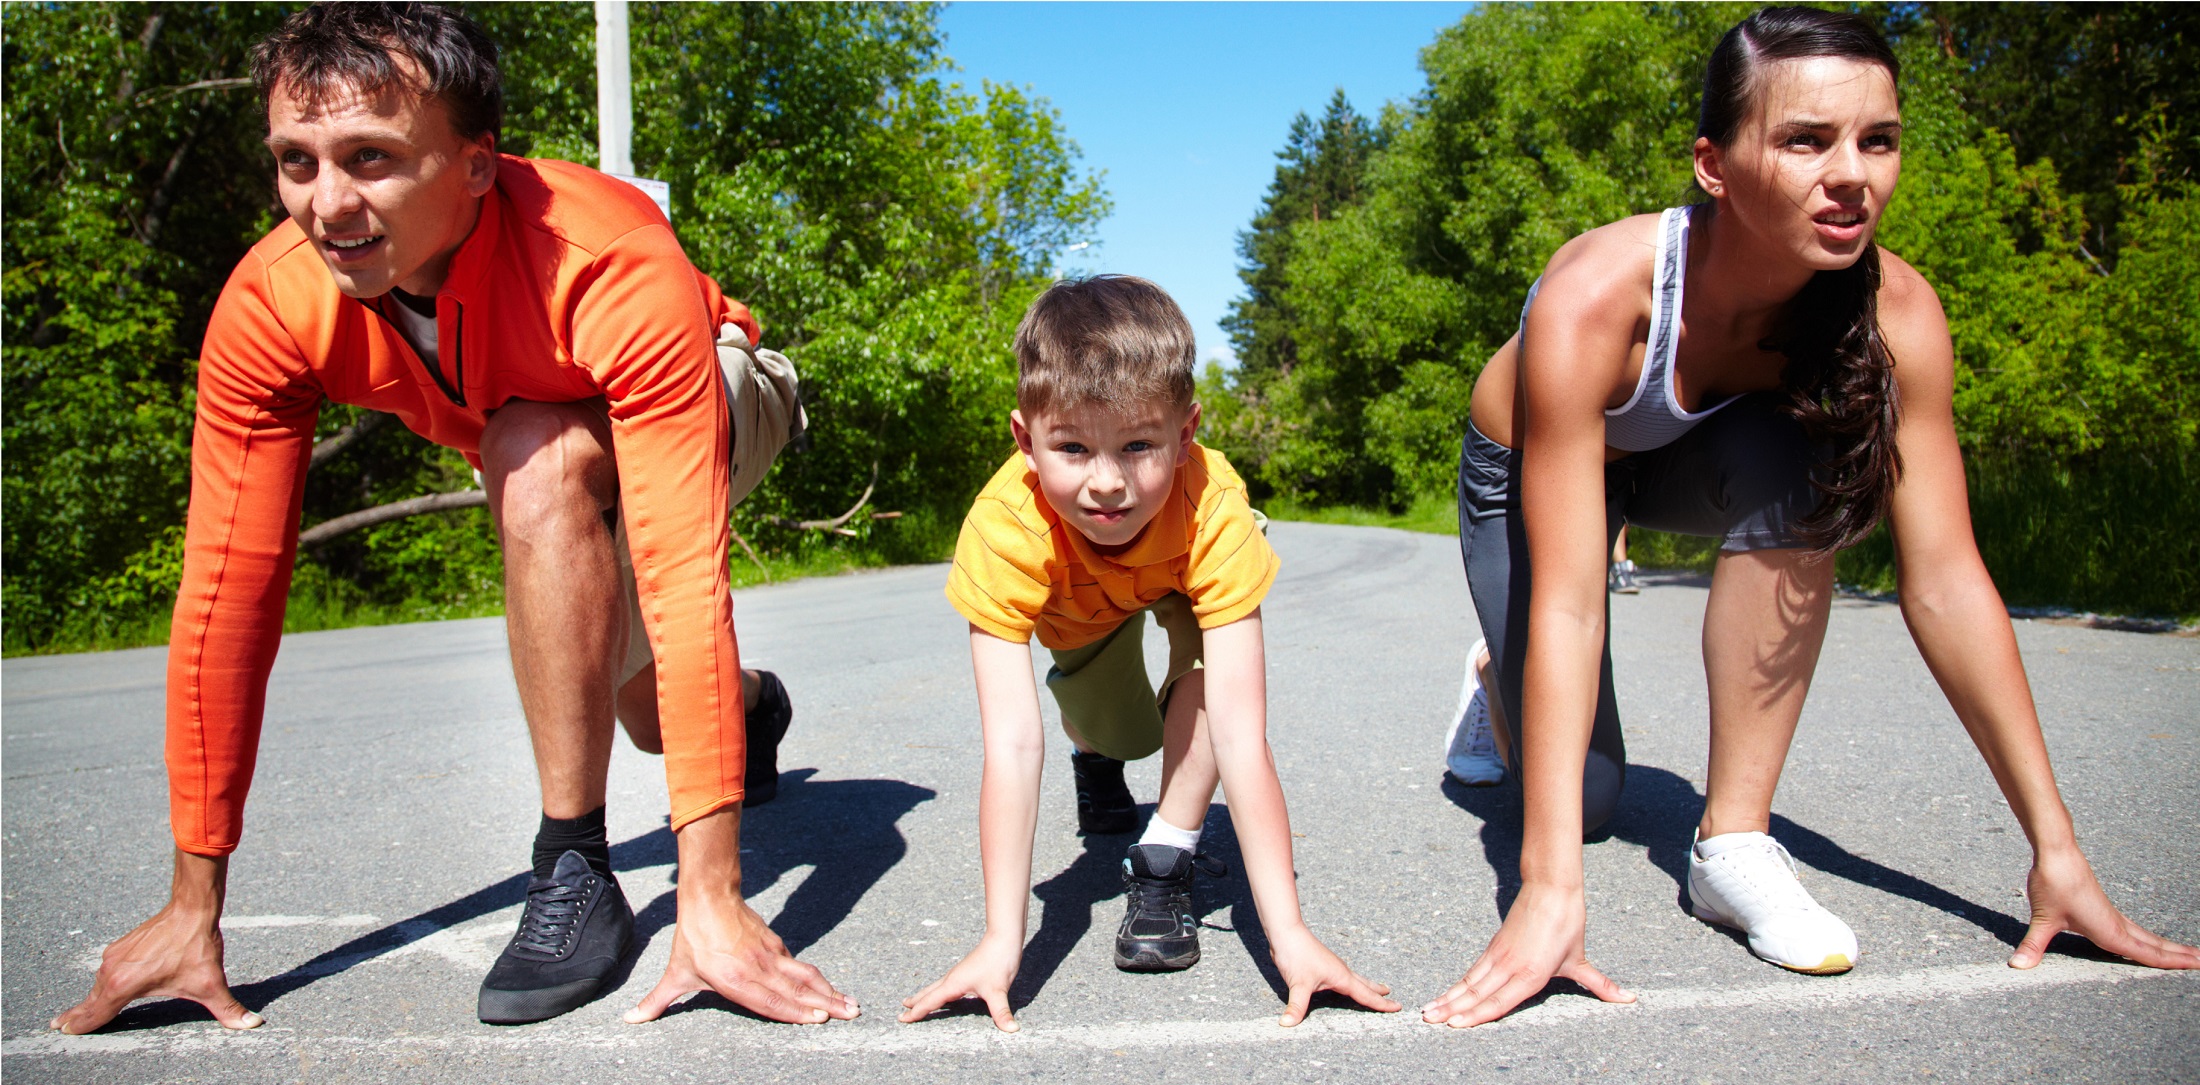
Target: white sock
{"points": [[1159, 831]]}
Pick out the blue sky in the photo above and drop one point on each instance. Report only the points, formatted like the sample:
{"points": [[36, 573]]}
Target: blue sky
{"points": [[1184, 106]]}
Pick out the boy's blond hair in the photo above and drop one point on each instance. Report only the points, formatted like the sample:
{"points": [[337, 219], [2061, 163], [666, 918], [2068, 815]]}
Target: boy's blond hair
{"points": [[1113, 341]]}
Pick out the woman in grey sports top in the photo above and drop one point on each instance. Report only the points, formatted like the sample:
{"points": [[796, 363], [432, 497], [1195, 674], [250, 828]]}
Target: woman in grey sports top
{"points": [[1752, 369]]}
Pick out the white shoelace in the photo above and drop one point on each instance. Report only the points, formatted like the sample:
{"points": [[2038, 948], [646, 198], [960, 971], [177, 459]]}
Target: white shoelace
{"points": [[1769, 872]]}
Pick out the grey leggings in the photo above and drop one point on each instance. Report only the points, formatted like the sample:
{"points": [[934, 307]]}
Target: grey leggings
{"points": [[1743, 475]]}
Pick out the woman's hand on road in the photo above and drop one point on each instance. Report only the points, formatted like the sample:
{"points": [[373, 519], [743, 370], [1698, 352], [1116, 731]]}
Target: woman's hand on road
{"points": [[1543, 938], [2066, 896]]}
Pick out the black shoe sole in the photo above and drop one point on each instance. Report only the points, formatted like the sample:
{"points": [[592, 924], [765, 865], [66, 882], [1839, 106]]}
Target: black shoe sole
{"points": [[527, 1007], [1140, 956]]}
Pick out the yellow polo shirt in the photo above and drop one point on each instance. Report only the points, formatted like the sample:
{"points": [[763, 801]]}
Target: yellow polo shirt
{"points": [[1019, 568]]}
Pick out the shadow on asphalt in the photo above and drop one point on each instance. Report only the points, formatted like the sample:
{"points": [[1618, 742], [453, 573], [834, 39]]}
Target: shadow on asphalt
{"points": [[1096, 876], [1658, 811], [844, 829]]}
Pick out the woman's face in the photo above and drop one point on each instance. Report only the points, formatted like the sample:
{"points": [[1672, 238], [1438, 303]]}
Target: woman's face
{"points": [[1814, 162]]}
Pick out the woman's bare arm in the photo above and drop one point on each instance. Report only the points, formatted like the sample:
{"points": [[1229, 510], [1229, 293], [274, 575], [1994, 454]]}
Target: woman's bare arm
{"points": [[1962, 629]]}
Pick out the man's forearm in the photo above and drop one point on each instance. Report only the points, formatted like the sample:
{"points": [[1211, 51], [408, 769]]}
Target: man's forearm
{"points": [[710, 854], [1237, 727], [200, 885]]}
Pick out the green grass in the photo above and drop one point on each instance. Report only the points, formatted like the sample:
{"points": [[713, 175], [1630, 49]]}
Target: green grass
{"points": [[1429, 515], [320, 602], [2111, 536]]}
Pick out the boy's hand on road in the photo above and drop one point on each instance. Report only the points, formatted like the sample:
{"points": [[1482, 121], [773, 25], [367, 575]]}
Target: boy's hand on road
{"points": [[722, 945], [1543, 937], [2066, 896], [175, 954], [1309, 966], [985, 974]]}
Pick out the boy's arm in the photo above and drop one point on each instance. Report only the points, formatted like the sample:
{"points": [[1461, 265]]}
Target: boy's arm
{"points": [[1008, 812], [1237, 723]]}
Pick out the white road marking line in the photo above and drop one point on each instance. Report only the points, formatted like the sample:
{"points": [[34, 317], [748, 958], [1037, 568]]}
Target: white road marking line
{"points": [[972, 1035], [251, 922]]}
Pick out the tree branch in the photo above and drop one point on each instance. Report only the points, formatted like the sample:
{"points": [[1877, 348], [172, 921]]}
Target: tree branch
{"points": [[158, 93], [395, 510], [837, 523], [345, 438]]}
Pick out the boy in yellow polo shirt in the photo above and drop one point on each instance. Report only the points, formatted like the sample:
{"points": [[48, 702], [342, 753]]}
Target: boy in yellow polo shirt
{"points": [[1107, 511]]}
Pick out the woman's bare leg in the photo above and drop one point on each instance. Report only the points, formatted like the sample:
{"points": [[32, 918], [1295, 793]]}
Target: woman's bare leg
{"points": [[1762, 631]]}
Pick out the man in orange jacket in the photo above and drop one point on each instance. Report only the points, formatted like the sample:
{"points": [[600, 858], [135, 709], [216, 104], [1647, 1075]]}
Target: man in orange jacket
{"points": [[540, 317]]}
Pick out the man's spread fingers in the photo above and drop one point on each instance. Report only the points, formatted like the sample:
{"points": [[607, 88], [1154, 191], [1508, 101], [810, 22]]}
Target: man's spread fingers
{"points": [[96, 1010], [659, 999], [230, 1012], [1370, 995]]}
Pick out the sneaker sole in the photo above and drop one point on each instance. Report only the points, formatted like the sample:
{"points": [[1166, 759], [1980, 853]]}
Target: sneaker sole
{"points": [[1148, 957], [1833, 965], [527, 1007]]}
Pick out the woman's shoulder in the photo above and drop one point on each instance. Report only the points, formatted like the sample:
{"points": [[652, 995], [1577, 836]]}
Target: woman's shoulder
{"points": [[1909, 308], [1605, 265]]}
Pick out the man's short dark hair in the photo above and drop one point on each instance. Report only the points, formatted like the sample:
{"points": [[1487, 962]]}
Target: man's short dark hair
{"points": [[331, 49], [1114, 341]]}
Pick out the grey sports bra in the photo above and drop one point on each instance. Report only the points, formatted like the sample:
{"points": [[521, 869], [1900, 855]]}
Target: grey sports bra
{"points": [[1652, 417]]}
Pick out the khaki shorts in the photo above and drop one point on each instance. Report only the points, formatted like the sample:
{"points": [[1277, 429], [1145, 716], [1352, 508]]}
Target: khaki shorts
{"points": [[764, 406], [1108, 701]]}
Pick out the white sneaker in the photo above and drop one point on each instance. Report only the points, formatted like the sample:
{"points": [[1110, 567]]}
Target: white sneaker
{"points": [[1748, 881], [1470, 751]]}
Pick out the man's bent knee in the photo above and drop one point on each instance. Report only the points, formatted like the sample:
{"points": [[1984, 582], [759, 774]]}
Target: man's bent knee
{"points": [[542, 462]]}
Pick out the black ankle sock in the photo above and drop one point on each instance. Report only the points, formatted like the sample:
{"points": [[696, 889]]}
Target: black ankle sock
{"points": [[584, 834]]}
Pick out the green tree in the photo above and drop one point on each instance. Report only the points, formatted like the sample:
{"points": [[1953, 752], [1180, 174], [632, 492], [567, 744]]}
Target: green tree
{"points": [[886, 223]]}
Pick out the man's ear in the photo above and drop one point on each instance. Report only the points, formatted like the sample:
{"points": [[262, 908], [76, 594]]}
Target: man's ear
{"points": [[1710, 167], [481, 164], [1185, 438], [1023, 438]]}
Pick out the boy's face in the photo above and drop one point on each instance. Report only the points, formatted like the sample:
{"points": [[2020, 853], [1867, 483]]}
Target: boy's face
{"points": [[1106, 472], [382, 184]]}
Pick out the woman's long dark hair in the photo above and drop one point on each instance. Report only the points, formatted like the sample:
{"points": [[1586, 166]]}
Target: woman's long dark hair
{"points": [[1840, 374]]}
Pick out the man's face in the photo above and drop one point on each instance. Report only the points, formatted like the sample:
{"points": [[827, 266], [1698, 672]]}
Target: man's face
{"points": [[1106, 472], [381, 183]]}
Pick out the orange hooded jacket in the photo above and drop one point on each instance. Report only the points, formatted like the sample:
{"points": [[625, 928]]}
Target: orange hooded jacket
{"points": [[571, 286]]}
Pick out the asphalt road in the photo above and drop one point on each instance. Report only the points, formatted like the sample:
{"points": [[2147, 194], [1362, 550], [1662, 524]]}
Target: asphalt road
{"points": [[395, 801]]}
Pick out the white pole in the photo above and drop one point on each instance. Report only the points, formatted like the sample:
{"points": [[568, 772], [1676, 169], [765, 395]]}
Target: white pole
{"points": [[614, 90]]}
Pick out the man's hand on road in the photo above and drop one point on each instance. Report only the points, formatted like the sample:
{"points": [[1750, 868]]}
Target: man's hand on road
{"points": [[1309, 966], [985, 974], [724, 946], [1544, 936], [175, 954], [2066, 896]]}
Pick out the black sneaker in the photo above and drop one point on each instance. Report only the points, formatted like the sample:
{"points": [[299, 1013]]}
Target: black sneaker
{"points": [[1159, 931], [1104, 804], [767, 726], [572, 936]]}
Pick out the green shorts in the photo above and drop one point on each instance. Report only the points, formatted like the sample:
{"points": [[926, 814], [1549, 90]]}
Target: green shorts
{"points": [[1108, 702]]}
